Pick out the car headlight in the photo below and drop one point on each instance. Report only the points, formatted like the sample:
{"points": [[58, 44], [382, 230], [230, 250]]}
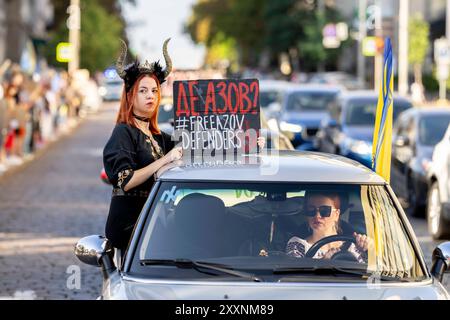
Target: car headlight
{"points": [[102, 91], [285, 126], [358, 146]]}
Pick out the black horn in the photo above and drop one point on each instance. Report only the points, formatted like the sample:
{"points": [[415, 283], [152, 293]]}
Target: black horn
{"points": [[168, 69], [120, 64]]}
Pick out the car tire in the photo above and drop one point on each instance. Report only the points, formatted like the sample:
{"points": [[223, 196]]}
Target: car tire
{"points": [[414, 209], [438, 227]]}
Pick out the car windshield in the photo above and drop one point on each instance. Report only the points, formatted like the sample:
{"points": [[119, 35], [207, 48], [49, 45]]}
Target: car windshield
{"points": [[432, 128], [114, 83], [362, 112], [310, 101], [165, 113], [268, 97], [252, 228]]}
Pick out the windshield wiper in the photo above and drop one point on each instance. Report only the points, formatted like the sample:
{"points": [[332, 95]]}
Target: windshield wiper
{"points": [[334, 271], [199, 265]]}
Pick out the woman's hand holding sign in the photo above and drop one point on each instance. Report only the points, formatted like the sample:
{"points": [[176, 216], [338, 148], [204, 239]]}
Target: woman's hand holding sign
{"points": [[261, 142], [174, 155]]}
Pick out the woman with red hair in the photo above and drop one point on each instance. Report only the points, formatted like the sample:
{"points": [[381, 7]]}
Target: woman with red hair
{"points": [[137, 148]]}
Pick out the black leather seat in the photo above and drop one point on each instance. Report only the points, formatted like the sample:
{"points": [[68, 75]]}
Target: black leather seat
{"points": [[197, 225]]}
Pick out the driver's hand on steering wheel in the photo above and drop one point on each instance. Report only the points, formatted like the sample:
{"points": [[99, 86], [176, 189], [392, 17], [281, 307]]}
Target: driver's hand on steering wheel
{"points": [[363, 242], [330, 253]]}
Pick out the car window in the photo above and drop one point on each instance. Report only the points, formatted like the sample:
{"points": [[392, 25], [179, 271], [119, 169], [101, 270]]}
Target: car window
{"points": [[235, 225], [363, 111], [310, 101], [165, 113], [432, 128], [268, 97], [114, 83]]}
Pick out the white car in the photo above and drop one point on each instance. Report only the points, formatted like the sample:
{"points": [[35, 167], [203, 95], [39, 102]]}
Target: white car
{"points": [[219, 231], [438, 200]]}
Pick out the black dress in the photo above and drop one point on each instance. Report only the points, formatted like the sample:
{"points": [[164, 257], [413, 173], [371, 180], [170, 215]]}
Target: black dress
{"points": [[127, 151]]}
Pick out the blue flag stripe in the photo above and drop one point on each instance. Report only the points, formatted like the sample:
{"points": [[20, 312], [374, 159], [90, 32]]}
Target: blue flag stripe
{"points": [[386, 96]]}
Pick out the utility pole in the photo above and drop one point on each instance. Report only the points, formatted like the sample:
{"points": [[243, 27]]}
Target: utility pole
{"points": [[321, 11], [447, 21], [403, 47], [74, 25], [362, 35], [378, 72]]}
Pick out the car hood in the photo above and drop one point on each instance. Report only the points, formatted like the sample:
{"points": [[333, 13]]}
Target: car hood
{"points": [[358, 133], [236, 290], [308, 119]]}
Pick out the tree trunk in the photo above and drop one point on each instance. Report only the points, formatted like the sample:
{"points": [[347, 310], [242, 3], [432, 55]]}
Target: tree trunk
{"points": [[418, 73]]}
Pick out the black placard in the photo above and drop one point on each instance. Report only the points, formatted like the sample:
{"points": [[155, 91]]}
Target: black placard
{"points": [[219, 115]]}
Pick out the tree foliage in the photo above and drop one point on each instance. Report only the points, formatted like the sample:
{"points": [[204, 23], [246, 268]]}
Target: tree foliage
{"points": [[257, 26], [419, 43], [102, 25]]}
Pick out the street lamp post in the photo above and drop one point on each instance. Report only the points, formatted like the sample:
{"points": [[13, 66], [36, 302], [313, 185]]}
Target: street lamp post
{"points": [[74, 26], [403, 47], [362, 35], [378, 72]]}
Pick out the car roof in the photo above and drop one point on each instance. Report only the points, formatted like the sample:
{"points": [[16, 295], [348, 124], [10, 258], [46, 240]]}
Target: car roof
{"points": [[292, 166], [265, 85], [358, 94], [428, 110], [308, 87]]}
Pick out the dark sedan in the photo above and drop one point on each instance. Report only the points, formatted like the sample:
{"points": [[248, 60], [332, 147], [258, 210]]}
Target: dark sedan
{"points": [[302, 110], [415, 135], [348, 130]]}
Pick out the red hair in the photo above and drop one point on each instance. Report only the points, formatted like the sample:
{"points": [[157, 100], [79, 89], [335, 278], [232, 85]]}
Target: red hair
{"points": [[126, 106]]}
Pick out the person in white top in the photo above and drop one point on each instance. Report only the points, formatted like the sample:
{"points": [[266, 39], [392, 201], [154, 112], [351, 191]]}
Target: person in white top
{"points": [[323, 212]]}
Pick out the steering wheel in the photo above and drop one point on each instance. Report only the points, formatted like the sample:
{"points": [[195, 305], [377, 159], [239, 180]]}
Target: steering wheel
{"points": [[343, 254]]}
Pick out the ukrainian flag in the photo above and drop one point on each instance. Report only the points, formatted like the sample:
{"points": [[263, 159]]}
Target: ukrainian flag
{"points": [[382, 136]]}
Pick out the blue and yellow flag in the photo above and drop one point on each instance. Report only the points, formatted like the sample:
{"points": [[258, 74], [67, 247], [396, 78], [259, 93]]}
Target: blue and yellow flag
{"points": [[382, 136]]}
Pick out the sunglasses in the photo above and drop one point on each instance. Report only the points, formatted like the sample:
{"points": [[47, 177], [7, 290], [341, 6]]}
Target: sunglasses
{"points": [[324, 211]]}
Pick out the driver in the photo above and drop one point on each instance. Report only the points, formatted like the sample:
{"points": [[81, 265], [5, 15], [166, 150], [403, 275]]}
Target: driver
{"points": [[323, 212]]}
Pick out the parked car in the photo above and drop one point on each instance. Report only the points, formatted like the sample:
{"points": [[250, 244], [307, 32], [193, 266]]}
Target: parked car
{"points": [[271, 93], [348, 127], [219, 231], [111, 89], [349, 81], [438, 197], [166, 115], [415, 135], [301, 110]]}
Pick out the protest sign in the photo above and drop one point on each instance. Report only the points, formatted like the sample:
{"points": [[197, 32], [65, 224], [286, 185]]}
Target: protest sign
{"points": [[217, 115]]}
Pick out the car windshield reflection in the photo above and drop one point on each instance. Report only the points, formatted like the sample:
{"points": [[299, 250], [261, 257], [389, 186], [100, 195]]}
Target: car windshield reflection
{"points": [[278, 228]]}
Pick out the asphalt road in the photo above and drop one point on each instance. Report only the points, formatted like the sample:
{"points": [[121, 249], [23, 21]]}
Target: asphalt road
{"points": [[55, 200]]}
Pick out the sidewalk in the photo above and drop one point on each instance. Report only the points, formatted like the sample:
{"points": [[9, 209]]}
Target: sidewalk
{"points": [[15, 164]]}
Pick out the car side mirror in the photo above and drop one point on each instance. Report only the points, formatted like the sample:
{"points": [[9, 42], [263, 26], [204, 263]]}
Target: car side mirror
{"points": [[441, 260], [402, 141], [90, 250]]}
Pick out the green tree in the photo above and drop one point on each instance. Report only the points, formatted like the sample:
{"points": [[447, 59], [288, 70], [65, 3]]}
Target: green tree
{"points": [[233, 21], [256, 26], [102, 26], [419, 43]]}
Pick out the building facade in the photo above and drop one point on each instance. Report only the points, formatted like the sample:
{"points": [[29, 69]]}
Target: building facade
{"points": [[21, 23]]}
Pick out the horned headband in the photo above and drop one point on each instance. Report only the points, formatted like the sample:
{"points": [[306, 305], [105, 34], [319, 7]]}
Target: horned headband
{"points": [[131, 72]]}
